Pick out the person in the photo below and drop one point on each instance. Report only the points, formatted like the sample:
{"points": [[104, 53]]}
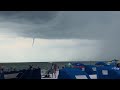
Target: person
{"points": [[55, 69], [52, 70], [1, 74]]}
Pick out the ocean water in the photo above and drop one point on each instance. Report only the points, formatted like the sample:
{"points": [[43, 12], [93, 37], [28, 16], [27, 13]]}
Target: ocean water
{"points": [[42, 65]]}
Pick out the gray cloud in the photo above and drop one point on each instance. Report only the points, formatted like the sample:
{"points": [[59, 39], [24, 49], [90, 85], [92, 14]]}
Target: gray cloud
{"points": [[92, 25], [67, 24], [27, 17]]}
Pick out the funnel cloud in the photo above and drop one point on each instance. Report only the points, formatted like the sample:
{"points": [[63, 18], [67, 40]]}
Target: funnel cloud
{"points": [[101, 28]]}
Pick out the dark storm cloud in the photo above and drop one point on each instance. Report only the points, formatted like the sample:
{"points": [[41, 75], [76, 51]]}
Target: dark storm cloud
{"points": [[28, 16], [54, 24]]}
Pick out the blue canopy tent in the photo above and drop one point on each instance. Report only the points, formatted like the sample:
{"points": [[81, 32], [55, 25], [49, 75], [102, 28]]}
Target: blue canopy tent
{"points": [[107, 72], [72, 73], [79, 65], [101, 64]]}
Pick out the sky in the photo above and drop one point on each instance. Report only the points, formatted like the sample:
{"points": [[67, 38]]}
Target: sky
{"points": [[59, 36]]}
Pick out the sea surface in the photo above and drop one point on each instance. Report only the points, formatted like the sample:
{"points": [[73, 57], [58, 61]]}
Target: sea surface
{"points": [[42, 65]]}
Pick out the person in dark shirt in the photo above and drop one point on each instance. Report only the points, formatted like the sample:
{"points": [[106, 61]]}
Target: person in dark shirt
{"points": [[1, 74]]}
